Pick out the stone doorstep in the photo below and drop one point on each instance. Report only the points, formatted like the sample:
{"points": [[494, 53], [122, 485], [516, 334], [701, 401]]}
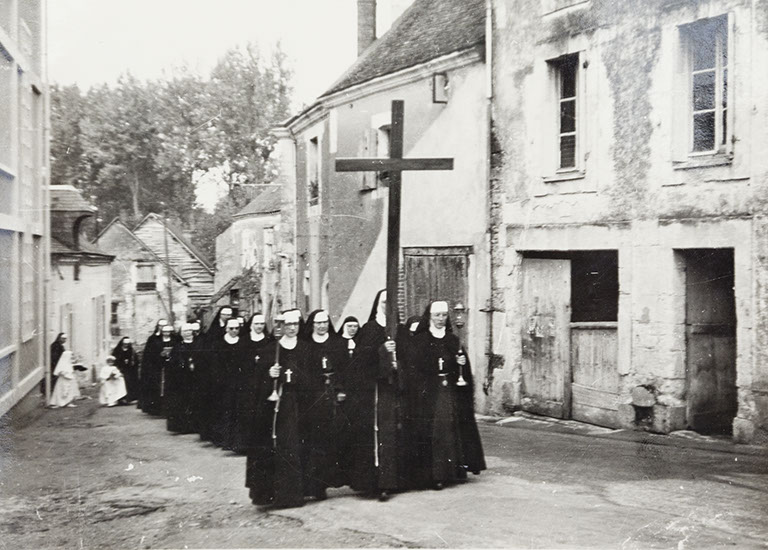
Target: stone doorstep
{"points": [[683, 438]]}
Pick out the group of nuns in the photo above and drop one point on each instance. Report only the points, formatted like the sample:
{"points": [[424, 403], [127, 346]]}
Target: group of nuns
{"points": [[313, 408]]}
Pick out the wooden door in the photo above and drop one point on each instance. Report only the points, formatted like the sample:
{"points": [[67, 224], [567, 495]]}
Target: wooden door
{"points": [[546, 336], [711, 340], [436, 273], [595, 377]]}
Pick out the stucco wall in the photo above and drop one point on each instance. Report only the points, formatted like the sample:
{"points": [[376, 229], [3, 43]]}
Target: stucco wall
{"points": [[637, 191]]}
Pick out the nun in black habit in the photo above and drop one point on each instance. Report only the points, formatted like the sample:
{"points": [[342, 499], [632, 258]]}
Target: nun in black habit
{"points": [[154, 367], [275, 469], [208, 378], [443, 422], [326, 422], [144, 366], [257, 348], [57, 348], [127, 361], [348, 331], [180, 383], [229, 360], [374, 404]]}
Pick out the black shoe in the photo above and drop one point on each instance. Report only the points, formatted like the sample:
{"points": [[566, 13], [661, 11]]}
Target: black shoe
{"points": [[383, 496], [321, 495], [438, 486]]}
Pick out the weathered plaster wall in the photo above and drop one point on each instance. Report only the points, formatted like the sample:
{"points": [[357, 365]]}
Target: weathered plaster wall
{"points": [[636, 193]]}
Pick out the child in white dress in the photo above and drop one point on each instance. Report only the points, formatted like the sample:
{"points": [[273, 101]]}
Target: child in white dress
{"points": [[112, 384], [66, 389]]}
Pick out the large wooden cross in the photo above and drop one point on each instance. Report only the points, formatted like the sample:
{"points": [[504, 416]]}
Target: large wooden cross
{"points": [[395, 165]]}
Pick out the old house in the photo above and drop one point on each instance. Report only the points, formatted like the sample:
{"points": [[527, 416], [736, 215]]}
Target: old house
{"points": [[630, 173], [24, 222], [432, 58], [140, 294], [81, 288], [246, 256]]}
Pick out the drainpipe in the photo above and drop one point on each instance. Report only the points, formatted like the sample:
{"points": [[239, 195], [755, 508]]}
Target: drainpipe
{"points": [[46, 199], [490, 307]]}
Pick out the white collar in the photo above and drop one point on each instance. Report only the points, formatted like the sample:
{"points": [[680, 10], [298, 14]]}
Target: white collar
{"points": [[188, 341], [320, 339], [437, 332], [381, 318], [231, 339], [288, 343], [259, 337], [351, 344]]}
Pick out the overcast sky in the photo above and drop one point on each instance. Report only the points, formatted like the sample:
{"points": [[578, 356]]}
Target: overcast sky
{"points": [[94, 41]]}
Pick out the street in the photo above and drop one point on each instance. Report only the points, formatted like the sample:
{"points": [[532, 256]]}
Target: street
{"points": [[93, 477]]}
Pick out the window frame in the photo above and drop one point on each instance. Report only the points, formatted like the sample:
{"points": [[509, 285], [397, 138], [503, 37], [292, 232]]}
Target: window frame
{"points": [[685, 155], [314, 165], [143, 285], [554, 172]]}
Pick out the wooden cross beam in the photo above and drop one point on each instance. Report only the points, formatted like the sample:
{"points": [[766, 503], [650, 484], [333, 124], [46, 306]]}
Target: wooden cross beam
{"points": [[395, 165]]}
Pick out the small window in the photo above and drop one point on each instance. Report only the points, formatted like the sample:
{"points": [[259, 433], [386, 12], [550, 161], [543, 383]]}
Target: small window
{"points": [[145, 278], [706, 45], [382, 151], [440, 88], [313, 171], [566, 68]]}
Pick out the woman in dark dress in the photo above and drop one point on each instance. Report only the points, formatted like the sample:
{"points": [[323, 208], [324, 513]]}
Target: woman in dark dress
{"points": [[127, 361], [180, 383], [445, 432], [374, 404], [275, 470], [326, 419]]}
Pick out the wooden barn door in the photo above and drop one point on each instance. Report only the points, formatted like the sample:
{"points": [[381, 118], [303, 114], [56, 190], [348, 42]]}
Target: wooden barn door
{"points": [[546, 337], [711, 340], [436, 273]]}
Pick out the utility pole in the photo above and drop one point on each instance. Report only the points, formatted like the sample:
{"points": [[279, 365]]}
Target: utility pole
{"points": [[169, 281]]}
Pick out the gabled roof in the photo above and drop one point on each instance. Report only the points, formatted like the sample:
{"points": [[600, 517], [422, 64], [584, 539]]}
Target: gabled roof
{"points": [[65, 198], [179, 236], [428, 29], [118, 223], [268, 201]]}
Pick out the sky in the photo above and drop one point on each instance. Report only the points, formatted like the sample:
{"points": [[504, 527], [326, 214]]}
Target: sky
{"points": [[95, 41]]}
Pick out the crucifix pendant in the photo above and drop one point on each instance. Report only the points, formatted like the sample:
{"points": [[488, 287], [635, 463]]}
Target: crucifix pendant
{"points": [[256, 359], [288, 374]]}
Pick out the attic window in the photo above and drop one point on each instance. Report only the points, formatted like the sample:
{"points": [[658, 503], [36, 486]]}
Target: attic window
{"points": [[145, 278], [440, 88]]}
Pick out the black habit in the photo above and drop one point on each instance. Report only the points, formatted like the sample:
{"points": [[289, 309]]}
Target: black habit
{"points": [[180, 387], [127, 361], [274, 468]]}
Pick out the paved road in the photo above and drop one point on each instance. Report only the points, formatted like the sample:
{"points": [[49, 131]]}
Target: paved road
{"points": [[93, 477]]}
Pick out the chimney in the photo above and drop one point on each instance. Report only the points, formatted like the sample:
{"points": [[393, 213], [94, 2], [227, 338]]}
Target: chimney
{"points": [[366, 24]]}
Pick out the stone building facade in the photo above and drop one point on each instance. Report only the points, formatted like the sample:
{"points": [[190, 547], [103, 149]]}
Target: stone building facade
{"points": [[140, 285], [630, 182], [24, 215]]}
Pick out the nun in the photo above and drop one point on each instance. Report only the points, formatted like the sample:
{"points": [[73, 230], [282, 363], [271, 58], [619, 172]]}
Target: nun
{"points": [[154, 368], [180, 383], [257, 348], [373, 393], [327, 424], [275, 469], [144, 366], [229, 360], [349, 330], [127, 361], [445, 432]]}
